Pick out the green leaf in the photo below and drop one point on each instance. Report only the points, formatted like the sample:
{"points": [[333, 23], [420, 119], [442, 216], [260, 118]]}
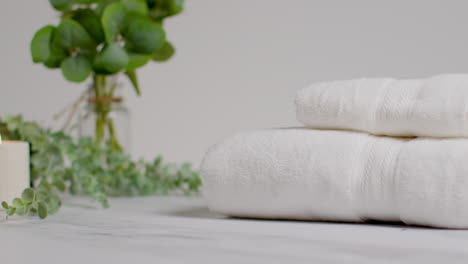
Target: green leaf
{"points": [[131, 74], [23, 209], [77, 68], [60, 184], [28, 195], [40, 44], [17, 202], [57, 54], [136, 60], [157, 161], [130, 17], [91, 21], [102, 4], [5, 205], [174, 6], [43, 195], [54, 204], [11, 211], [45, 185], [42, 210], [164, 53], [112, 59], [160, 9], [61, 5], [112, 19], [55, 58], [70, 34], [138, 6], [144, 36]]}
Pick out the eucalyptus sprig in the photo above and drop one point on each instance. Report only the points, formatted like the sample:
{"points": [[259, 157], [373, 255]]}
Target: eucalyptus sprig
{"points": [[100, 39], [105, 37], [59, 163], [41, 202]]}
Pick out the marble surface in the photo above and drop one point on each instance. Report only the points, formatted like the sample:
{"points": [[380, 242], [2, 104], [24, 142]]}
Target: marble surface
{"points": [[182, 230]]}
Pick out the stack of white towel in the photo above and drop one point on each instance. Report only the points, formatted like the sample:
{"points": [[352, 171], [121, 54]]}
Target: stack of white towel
{"points": [[372, 149]]}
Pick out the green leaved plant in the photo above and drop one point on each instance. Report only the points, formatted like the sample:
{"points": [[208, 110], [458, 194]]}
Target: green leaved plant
{"points": [[96, 39], [60, 163]]}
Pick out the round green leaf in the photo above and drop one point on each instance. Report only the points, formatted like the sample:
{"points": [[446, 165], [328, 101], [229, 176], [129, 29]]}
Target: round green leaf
{"points": [[136, 60], [61, 5], [162, 9], [60, 185], [11, 211], [40, 44], [43, 195], [112, 59], [17, 202], [42, 210], [24, 209], [144, 36], [138, 6], [91, 21], [5, 205], [112, 20], [55, 58], [175, 6], [102, 4], [130, 17], [164, 53], [54, 155], [70, 34], [76, 69], [28, 195], [54, 204]]}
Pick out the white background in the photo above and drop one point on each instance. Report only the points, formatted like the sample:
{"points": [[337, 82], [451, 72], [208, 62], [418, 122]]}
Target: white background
{"points": [[239, 63]]}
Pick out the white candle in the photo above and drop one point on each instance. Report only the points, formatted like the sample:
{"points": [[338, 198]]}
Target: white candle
{"points": [[14, 169]]}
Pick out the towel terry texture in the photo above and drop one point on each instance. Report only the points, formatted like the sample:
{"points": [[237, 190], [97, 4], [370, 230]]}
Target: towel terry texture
{"points": [[435, 107], [337, 175]]}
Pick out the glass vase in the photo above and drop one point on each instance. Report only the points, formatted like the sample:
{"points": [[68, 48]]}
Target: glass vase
{"points": [[105, 117]]}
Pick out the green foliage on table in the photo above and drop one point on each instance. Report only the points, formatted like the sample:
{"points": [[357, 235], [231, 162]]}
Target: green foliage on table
{"points": [[100, 38], [59, 163]]}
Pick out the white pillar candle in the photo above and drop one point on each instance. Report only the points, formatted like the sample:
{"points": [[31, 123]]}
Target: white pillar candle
{"points": [[14, 169]]}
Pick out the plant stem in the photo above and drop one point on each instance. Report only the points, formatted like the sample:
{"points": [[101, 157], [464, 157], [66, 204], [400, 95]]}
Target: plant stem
{"points": [[98, 87], [113, 138], [102, 109]]}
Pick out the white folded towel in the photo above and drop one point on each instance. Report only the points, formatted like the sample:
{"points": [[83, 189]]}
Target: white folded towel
{"points": [[435, 107], [339, 176]]}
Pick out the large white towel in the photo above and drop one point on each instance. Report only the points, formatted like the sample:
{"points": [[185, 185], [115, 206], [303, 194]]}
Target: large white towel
{"points": [[339, 176], [435, 107]]}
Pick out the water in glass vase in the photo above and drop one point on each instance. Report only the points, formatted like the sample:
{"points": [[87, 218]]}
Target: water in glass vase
{"points": [[105, 117]]}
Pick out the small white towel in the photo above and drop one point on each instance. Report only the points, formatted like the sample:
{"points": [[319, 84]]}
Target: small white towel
{"points": [[339, 176], [435, 107]]}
